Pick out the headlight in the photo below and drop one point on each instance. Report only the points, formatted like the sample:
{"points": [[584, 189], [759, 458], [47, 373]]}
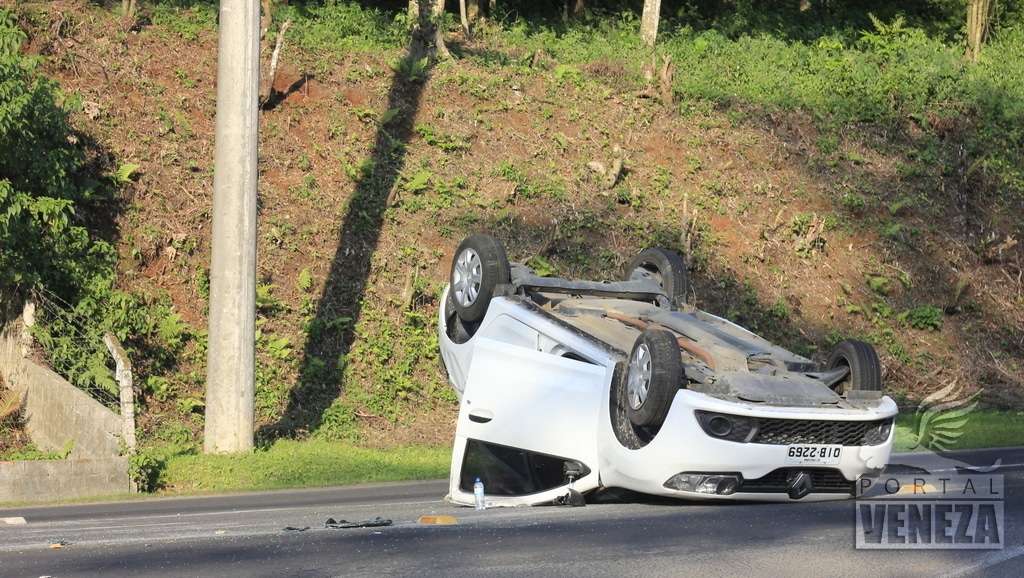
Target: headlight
{"points": [[736, 428]]}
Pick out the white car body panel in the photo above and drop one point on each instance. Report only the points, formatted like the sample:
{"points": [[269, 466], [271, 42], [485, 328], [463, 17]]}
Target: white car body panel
{"points": [[512, 371], [563, 425], [646, 469]]}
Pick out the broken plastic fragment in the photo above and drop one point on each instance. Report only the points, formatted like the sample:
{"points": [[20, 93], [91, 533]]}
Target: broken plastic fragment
{"points": [[374, 523]]}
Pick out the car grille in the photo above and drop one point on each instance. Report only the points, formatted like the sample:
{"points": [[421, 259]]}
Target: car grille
{"points": [[823, 480], [780, 431], [808, 431]]}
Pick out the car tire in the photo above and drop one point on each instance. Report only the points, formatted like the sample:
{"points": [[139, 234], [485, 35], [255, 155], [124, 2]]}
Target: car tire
{"points": [[665, 267], [865, 367], [653, 376], [480, 265]]}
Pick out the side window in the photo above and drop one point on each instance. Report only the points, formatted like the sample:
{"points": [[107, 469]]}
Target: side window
{"points": [[508, 471]]}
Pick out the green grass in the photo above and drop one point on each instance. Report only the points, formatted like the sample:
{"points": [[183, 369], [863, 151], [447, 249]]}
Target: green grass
{"points": [[317, 463], [293, 464], [985, 429]]}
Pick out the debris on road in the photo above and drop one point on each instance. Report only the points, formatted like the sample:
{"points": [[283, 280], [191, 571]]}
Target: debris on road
{"points": [[340, 524], [294, 529], [16, 521], [572, 499], [59, 544], [438, 520]]}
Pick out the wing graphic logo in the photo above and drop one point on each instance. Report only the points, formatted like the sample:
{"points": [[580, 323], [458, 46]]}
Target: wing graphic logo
{"points": [[939, 422]]}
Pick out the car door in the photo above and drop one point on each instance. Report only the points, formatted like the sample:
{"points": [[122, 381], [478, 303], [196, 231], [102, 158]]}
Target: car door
{"points": [[527, 422]]}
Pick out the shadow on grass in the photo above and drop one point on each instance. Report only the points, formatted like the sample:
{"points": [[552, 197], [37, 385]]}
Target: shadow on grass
{"points": [[332, 330]]}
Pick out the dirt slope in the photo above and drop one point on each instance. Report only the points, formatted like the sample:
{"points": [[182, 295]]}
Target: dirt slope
{"points": [[369, 178]]}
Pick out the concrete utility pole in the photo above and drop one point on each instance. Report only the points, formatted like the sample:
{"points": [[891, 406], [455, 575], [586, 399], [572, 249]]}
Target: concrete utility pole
{"points": [[649, 21], [230, 374]]}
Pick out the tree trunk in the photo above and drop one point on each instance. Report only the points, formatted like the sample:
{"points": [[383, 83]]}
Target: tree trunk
{"points": [[428, 31], [649, 21], [437, 15], [472, 10], [979, 15], [128, 8], [464, 17]]}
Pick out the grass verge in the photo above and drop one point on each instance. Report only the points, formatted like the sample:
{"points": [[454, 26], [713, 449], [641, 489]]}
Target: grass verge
{"points": [[985, 429], [293, 464]]}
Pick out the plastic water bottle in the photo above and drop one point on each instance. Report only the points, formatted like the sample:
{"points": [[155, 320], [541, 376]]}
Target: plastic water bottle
{"points": [[478, 495]]}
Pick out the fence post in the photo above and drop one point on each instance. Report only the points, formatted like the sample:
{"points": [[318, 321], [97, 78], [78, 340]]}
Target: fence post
{"points": [[123, 375], [28, 320]]}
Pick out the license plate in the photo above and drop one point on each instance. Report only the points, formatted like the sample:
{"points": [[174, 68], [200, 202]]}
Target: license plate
{"points": [[821, 455]]}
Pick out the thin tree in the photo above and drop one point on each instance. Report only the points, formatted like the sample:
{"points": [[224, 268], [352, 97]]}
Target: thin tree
{"points": [[128, 8], [979, 16], [472, 10], [573, 9], [428, 17], [464, 17], [649, 21]]}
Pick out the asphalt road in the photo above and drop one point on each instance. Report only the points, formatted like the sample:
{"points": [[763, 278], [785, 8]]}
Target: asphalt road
{"points": [[244, 535]]}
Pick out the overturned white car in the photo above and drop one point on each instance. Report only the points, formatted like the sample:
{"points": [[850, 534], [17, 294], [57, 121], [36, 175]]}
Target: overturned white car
{"points": [[577, 384]]}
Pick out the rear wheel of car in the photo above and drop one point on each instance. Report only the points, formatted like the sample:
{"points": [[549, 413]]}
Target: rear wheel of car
{"points": [[665, 267], [653, 376], [863, 363], [480, 265]]}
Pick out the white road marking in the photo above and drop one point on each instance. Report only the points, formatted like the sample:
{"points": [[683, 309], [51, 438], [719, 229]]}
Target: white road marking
{"points": [[967, 467], [988, 561]]}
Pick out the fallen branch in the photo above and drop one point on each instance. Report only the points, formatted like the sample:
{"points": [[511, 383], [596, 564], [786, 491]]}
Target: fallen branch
{"points": [[275, 59]]}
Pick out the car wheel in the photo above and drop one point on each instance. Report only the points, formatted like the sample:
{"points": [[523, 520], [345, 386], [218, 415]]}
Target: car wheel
{"points": [[653, 376], [479, 266], [862, 360], [665, 267]]}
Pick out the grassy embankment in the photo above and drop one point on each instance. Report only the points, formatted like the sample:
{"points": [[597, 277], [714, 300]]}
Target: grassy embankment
{"points": [[315, 463]]}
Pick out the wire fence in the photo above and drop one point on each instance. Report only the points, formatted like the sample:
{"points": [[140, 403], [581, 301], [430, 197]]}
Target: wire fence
{"points": [[65, 329]]}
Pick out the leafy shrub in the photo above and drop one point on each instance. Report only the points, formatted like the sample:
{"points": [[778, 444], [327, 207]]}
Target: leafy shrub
{"points": [[926, 317], [42, 185], [144, 470], [47, 191]]}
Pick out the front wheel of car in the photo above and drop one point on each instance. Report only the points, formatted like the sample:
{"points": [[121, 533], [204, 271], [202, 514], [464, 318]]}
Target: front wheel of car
{"points": [[653, 376], [480, 265], [863, 363], [664, 267]]}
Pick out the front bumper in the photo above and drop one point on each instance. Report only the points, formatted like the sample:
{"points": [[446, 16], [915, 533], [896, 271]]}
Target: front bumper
{"points": [[682, 446]]}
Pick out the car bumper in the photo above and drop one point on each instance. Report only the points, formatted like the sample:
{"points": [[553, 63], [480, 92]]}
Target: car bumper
{"points": [[682, 446]]}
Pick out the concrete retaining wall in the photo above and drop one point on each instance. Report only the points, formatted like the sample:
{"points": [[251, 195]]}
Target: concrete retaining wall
{"points": [[46, 480], [58, 413]]}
